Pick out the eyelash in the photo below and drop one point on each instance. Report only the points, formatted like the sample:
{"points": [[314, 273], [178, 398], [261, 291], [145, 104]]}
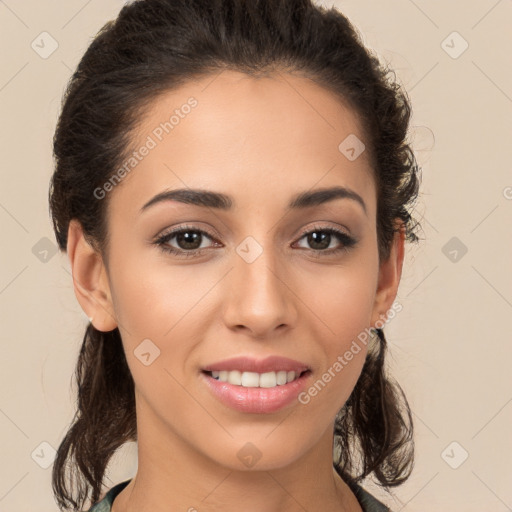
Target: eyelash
{"points": [[347, 241]]}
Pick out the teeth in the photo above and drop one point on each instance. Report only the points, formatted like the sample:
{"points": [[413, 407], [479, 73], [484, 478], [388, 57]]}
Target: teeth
{"points": [[235, 377], [255, 380], [281, 378]]}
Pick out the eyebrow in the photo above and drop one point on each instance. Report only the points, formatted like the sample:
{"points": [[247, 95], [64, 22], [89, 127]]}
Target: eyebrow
{"points": [[209, 199]]}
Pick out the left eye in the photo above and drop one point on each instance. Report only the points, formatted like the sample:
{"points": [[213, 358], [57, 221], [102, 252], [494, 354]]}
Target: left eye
{"points": [[322, 238], [189, 241]]}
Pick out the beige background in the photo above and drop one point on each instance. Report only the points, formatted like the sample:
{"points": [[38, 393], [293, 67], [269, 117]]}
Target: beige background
{"points": [[450, 347]]}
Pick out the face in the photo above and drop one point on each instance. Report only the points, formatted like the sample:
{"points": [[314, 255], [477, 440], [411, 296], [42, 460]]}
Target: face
{"points": [[254, 274]]}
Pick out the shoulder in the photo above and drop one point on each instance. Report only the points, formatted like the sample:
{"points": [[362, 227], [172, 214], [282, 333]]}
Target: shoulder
{"points": [[105, 504]]}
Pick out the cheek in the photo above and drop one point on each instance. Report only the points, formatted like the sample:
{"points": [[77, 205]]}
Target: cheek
{"points": [[152, 300], [340, 308], [154, 311], [340, 300], [159, 310]]}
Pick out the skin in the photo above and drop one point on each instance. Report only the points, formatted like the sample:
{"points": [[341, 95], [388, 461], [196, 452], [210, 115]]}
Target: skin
{"points": [[260, 141]]}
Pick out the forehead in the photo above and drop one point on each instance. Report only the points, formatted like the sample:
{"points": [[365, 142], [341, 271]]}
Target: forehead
{"points": [[256, 139]]}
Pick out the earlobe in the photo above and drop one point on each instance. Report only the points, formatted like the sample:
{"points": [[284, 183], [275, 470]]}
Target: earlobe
{"points": [[390, 273], [90, 280]]}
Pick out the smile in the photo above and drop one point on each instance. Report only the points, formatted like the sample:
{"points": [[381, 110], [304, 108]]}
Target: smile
{"points": [[251, 395], [255, 380]]}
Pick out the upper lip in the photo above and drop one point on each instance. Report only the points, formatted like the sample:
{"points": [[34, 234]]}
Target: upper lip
{"points": [[250, 364]]}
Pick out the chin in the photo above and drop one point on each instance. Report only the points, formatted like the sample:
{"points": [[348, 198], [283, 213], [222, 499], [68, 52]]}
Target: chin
{"points": [[259, 454]]}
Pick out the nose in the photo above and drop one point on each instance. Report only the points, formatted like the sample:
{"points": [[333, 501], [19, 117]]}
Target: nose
{"points": [[259, 296]]}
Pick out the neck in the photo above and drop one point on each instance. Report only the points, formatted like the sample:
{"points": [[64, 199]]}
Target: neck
{"points": [[172, 475]]}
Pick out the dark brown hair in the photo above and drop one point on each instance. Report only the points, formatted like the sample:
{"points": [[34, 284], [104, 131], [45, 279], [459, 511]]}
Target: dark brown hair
{"points": [[155, 46]]}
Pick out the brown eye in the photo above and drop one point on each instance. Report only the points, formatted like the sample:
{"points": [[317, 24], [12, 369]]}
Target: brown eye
{"points": [[319, 240], [188, 240]]}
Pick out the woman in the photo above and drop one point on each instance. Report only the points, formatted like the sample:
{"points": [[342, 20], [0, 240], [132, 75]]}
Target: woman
{"points": [[233, 188]]}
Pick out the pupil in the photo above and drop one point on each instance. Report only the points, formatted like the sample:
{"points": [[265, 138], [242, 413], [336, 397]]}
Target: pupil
{"points": [[188, 240], [323, 236]]}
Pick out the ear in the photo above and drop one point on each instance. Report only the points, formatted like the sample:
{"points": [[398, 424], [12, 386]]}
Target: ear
{"points": [[90, 279], [390, 273]]}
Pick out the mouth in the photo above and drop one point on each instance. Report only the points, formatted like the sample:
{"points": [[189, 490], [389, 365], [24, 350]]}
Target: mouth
{"points": [[256, 380], [256, 393]]}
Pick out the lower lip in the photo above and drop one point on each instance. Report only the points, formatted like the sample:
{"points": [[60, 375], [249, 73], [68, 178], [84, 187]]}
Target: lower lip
{"points": [[256, 400]]}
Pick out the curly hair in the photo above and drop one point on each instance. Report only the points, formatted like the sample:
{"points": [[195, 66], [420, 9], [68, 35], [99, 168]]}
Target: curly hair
{"points": [[154, 46]]}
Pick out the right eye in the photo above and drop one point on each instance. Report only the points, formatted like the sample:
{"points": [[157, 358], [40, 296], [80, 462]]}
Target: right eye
{"points": [[186, 236]]}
